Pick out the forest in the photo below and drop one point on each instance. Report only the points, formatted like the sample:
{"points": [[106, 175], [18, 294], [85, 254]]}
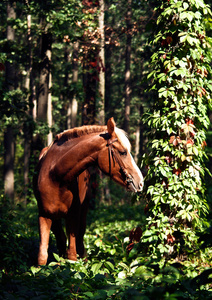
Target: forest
{"points": [[147, 64]]}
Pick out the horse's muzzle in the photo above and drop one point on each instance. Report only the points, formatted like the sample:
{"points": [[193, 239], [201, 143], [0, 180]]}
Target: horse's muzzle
{"points": [[131, 185]]}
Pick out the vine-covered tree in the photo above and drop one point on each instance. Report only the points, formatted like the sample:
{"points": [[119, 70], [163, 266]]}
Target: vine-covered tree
{"points": [[181, 81]]}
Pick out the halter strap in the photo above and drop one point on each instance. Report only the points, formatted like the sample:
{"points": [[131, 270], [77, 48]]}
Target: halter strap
{"points": [[110, 151], [113, 156]]}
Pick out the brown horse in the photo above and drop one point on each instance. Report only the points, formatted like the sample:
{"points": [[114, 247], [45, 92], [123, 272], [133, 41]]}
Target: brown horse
{"points": [[61, 181]]}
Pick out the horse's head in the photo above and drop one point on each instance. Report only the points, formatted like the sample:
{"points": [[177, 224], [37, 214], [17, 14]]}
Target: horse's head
{"points": [[115, 159]]}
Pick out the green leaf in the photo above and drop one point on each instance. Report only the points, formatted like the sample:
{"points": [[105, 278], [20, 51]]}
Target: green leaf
{"points": [[89, 294], [96, 267], [185, 5], [195, 150], [124, 266], [109, 265], [186, 15], [192, 41], [56, 256]]}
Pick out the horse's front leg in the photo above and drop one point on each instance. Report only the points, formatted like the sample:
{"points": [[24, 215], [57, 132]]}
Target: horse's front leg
{"points": [[44, 232]]}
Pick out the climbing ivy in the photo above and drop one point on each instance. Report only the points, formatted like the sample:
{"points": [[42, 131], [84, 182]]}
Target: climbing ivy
{"points": [[181, 84]]}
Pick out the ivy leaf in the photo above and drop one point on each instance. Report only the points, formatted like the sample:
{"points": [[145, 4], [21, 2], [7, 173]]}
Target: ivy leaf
{"points": [[185, 5], [188, 128], [186, 15], [195, 150], [192, 41]]}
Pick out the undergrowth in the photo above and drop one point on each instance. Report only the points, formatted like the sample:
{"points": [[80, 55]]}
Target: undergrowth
{"points": [[116, 266]]}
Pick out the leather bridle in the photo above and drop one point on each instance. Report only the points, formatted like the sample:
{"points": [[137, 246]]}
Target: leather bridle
{"points": [[116, 158]]}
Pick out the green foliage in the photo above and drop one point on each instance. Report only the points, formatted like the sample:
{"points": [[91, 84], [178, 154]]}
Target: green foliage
{"points": [[117, 267], [182, 85], [14, 237], [68, 23], [104, 274], [13, 108]]}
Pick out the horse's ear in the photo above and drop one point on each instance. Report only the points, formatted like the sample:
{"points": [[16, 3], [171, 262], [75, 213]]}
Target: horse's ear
{"points": [[111, 126]]}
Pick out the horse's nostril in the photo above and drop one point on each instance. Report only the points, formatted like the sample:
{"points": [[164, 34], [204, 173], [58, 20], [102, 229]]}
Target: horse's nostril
{"points": [[140, 186]]}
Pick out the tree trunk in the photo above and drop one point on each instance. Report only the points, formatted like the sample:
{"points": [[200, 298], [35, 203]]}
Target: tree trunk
{"points": [[49, 107], [31, 82], [73, 105], [9, 156], [90, 74], [27, 126], [44, 95], [108, 74], [44, 77], [137, 143], [127, 68], [101, 112], [89, 83], [9, 142]]}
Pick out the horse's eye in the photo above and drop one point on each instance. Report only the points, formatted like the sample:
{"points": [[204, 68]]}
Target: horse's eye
{"points": [[123, 152]]}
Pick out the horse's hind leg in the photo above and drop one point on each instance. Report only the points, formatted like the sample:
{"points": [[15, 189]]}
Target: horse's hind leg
{"points": [[58, 231], [72, 231], [44, 231], [82, 227]]}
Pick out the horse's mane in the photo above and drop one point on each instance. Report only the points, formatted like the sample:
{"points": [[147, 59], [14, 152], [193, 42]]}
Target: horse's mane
{"points": [[80, 131], [83, 130]]}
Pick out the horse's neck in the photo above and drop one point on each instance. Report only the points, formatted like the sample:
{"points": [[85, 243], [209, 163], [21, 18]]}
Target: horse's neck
{"points": [[82, 153]]}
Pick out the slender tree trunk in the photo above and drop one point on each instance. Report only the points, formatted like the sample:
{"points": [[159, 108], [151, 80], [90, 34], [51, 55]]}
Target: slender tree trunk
{"points": [[137, 142], [49, 106], [90, 74], [101, 113], [27, 81], [44, 77], [9, 141], [44, 95], [32, 88], [108, 74], [89, 82], [127, 67], [73, 105], [27, 125], [65, 95], [9, 156], [101, 65]]}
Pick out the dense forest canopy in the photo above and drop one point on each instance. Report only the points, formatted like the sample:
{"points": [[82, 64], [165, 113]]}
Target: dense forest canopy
{"points": [[68, 71], [147, 64]]}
